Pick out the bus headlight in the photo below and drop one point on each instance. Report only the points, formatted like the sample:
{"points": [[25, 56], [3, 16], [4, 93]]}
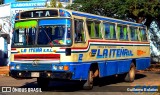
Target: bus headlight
{"points": [[60, 68], [55, 67], [17, 67]]}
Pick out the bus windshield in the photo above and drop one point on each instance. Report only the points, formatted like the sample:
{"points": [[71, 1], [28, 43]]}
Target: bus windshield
{"points": [[42, 33]]}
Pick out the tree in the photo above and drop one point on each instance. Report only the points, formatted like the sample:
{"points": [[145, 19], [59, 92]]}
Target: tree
{"points": [[53, 4], [60, 5], [139, 10]]}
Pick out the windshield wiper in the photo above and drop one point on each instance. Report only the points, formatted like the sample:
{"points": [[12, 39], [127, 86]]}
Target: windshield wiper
{"points": [[50, 41]]}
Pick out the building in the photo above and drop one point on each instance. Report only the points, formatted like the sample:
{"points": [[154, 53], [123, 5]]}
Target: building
{"points": [[5, 30]]}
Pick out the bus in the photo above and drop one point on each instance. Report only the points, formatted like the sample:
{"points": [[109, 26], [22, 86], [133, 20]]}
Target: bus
{"points": [[56, 43]]}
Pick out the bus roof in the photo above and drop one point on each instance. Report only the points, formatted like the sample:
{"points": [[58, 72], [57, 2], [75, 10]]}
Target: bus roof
{"points": [[95, 17]]}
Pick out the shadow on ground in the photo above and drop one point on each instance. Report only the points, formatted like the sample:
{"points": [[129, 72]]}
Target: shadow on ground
{"points": [[72, 86]]}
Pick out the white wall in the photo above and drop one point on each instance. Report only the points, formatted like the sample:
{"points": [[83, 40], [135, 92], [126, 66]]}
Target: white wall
{"points": [[5, 10]]}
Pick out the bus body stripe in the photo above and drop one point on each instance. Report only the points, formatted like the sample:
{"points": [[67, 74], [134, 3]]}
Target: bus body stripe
{"points": [[104, 43]]}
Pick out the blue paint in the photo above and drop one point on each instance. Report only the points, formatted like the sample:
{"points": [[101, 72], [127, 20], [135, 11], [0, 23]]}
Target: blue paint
{"points": [[105, 53], [36, 50], [98, 54], [23, 50], [55, 22], [112, 53], [27, 4], [106, 19], [47, 50], [124, 66], [142, 63], [80, 58], [102, 68], [64, 13], [80, 69], [93, 52]]}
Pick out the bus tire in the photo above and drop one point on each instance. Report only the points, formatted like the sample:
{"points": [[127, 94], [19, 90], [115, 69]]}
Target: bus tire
{"points": [[89, 83], [130, 76], [43, 83]]}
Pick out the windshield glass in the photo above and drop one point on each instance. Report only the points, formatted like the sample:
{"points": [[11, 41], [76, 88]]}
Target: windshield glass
{"points": [[43, 33], [54, 34]]}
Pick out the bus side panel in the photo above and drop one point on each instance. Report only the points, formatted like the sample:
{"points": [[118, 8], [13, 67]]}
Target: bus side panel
{"points": [[142, 63], [102, 68], [124, 66], [81, 71], [111, 68]]}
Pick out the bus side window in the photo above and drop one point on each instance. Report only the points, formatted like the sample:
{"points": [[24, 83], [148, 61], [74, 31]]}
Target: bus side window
{"points": [[125, 33], [109, 31], [98, 33], [122, 32], [79, 31], [143, 34], [94, 29], [133, 33]]}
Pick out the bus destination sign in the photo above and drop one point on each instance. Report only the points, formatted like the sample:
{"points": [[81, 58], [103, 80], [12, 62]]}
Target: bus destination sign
{"points": [[39, 14]]}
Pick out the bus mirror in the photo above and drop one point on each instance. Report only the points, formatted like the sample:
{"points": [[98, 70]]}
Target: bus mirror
{"points": [[68, 51]]}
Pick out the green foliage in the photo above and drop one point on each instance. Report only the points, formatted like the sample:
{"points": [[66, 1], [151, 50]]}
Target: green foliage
{"points": [[60, 5], [122, 9], [53, 4]]}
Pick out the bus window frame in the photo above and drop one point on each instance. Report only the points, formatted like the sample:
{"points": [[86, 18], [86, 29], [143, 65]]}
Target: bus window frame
{"points": [[36, 45], [118, 34], [145, 32], [115, 25], [100, 22], [81, 19], [137, 29]]}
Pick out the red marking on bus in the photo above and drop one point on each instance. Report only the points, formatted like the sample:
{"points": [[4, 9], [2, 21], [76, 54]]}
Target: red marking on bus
{"points": [[100, 41], [36, 56], [13, 48]]}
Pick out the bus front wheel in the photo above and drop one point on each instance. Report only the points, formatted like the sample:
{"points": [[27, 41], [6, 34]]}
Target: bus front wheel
{"points": [[89, 83], [130, 76]]}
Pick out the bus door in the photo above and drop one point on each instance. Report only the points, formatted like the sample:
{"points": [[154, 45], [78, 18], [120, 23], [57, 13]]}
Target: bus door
{"points": [[79, 37]]}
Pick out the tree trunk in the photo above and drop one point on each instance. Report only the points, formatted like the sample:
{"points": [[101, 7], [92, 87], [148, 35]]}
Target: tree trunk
{"points": [[140, 19]]}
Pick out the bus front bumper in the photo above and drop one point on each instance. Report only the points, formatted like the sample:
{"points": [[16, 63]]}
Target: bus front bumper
{"points": [[42, 74]]}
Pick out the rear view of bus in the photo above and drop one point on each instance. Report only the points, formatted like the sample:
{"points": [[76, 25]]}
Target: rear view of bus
{"points": [[36, 45]]}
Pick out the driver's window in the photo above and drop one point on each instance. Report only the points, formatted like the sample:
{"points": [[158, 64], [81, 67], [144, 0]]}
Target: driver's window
{"points": [[79, 31]]}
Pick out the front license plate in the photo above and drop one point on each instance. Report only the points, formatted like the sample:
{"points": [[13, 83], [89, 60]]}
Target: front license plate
{"points": [[35, 74]]}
